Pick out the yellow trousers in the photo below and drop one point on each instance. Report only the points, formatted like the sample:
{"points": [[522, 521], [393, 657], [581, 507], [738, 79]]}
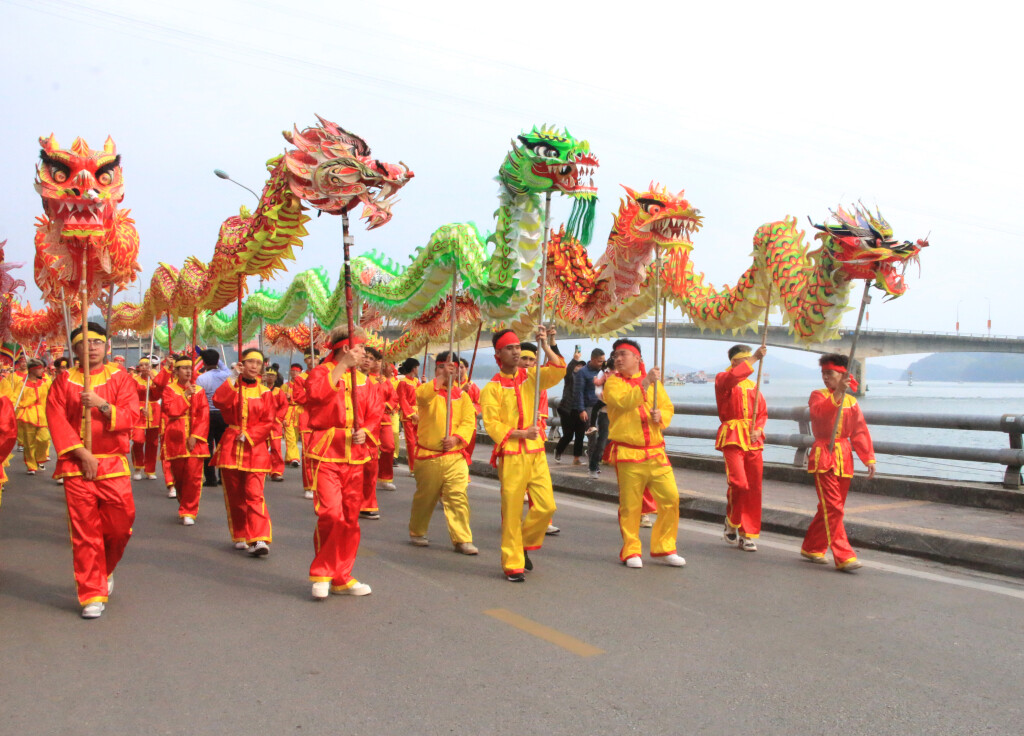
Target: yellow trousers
{"points": [[36, 441], [633, 479], [396, 427], [519, 473], [444, 477], [291, 443]]}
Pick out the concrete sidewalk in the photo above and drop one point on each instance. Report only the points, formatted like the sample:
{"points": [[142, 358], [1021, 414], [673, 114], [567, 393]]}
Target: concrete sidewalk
{"points": [[982, 539]]}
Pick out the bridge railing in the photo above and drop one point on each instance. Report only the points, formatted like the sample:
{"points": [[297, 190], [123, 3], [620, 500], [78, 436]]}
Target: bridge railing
{"points": [[1012, 425]]}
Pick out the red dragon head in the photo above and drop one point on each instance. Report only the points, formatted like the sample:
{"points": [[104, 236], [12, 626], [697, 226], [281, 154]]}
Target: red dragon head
{"points": [[656, 217], [81, 188], [862, 246], [333, 170]]}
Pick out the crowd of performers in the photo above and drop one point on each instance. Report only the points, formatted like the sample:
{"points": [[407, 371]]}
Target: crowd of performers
{"points": [[225, 426]]}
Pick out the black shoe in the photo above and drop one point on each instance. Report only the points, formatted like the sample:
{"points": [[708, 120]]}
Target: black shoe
{"points": [[369, 515], [209, 484], [529, 563], [515, 577]]}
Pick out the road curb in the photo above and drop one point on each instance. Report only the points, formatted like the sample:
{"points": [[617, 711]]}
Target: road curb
{"points": [[990, 555]]}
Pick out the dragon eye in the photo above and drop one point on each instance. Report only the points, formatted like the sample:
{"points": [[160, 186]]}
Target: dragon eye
{"points": [[651, 206], [105, 178], [546, 151], [60, 176]]}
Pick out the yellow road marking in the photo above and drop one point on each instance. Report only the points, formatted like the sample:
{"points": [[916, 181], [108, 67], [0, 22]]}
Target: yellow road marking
{"points": [[885, 506], [546, 633]]}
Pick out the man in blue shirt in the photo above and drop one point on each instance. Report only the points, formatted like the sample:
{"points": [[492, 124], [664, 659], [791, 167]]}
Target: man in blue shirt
{"points": [[214, 374]]}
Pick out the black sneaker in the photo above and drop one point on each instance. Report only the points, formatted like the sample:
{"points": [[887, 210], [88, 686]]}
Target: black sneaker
{"points": [[515, 577], [528, 564], [369, 515]]}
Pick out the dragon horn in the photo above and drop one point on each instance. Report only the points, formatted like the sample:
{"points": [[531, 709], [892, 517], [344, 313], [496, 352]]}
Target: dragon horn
{"points": [[49, 144], [108, 145]]}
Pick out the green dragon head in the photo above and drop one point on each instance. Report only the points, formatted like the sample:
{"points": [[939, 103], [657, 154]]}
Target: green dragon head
{"points": [[551, 160]]}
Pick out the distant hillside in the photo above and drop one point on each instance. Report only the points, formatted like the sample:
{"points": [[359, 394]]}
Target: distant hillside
{"points": [[981, 367]]}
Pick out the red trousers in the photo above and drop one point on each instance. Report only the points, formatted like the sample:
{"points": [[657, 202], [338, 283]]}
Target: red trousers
{"points": [[188, 473], [647, 505], [386, 456], [100, 517], [276, 458], [370, 469], [410, 442], [168, 471], [743, 471], [468, 451], [338, 496], [307, 464], [248, 515], [144, 446], [826, 529]]}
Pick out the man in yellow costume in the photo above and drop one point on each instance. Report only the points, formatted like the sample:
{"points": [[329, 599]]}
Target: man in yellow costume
{"points": [[441, 469], [507, 402], [31, 412], [636, 447]]}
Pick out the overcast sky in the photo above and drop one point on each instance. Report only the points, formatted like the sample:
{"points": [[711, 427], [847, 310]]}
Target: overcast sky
{"points": [[757, 112]]}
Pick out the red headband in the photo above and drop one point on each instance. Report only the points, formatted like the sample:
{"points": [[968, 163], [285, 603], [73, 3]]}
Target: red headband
{"points": [[509, 338], [833, 367], [630, 348], [348, 342]]}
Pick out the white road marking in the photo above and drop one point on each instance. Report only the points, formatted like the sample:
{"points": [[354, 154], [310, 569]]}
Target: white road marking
{"points": [[691, 526]]}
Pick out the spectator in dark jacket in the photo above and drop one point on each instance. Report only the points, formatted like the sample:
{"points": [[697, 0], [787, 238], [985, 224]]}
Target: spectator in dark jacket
{"points": [[572, 428]]}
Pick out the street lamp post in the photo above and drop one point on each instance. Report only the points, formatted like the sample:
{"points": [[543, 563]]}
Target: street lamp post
{"points": [[221, 174]]}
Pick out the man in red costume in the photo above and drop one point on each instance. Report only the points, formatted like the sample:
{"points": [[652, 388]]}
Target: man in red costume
{"points": [[338, 450], [388, 435], [147, 431], [833, 469], [187, 424], [249, 409], [298, 399], [8, 436], [741, 440], [406, 391], [97, 482], [380, 392], [271, 380]]}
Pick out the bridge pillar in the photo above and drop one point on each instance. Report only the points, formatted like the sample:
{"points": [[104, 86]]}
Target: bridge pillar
{"points": [[858, 370]]}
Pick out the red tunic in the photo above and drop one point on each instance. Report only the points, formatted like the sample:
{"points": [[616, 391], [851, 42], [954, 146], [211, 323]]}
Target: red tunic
{"points": [[852, 436], [281, 399], [251, 417], [185, 419], [330, 416], [111, 435], [735, 396], [149, 411], [8, 433]]}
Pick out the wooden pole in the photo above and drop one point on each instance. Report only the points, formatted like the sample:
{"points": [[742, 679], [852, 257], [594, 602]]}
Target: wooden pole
{"points": [[195, 364], [760, 363], [664, 334], [347, 240], [476, 344], [149, 378], [451, 358], [864, 301], [657, 303], [423, 370], [83, 283], [540, 310]]}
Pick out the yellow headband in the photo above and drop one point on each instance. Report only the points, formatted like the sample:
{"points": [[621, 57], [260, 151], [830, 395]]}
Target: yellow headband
{"points": [[527, 354], [183, 363], [92, 336], [270, 372], [144, 361], [741, 355]]}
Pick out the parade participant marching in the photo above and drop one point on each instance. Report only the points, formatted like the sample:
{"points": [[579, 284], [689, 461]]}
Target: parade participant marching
{"points": [[743, 413], [381, 395], [832, 466], [473, 391], [506, 402], [8, 437], [186, 425], [249, 410], [443, 472], [298, 393], [291, 420], [388, 431], [97, 482], [406, 391], [527, 360], [31, 414], [272, 380], [215, 372], [147, 431], [337, 451], [638, 410]]}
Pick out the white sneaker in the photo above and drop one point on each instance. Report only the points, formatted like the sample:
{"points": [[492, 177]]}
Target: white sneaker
{"points": [[277, 478], [171, 492], [355, 589], [150, 476], [673, 560], [411, 472], [60, 481], [388, 486], [646, 522], [93, 610], [294, 463], [419, 541], [30, 472], [634, 562], [552, 530], [137, 475], [187, 521], [307, 494], [747, 544], [321, 590], [260, 549], [729, 534], [466, 548], [241, 545], [110, 585]]}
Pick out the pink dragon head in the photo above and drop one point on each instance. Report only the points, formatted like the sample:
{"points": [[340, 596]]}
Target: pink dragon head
{"points": [[333, 170]]}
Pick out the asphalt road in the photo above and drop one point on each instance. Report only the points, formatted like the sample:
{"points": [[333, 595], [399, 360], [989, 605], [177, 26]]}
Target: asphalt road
{"points": [[200, 639]]}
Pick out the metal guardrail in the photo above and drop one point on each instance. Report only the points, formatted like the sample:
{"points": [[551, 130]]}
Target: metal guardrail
{"points": [[1012, 425]]}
